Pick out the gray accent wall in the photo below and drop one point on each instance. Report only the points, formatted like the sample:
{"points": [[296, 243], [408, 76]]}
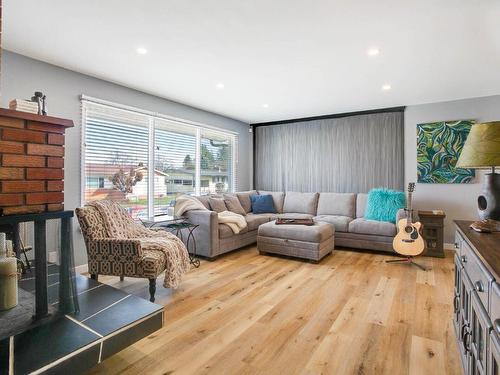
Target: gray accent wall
{"points": [[346, 155], [21, 76], [457, 200]]}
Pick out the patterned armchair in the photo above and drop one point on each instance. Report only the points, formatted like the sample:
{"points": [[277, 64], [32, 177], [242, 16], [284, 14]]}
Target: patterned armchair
{"points": [[117, 257]]}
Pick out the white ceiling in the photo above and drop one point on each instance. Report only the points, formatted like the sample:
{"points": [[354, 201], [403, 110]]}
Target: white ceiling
{"points": [[302, 58]]}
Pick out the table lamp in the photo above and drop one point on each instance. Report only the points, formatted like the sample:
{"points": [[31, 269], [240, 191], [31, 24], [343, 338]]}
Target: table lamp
{"points": [[482, 151]]}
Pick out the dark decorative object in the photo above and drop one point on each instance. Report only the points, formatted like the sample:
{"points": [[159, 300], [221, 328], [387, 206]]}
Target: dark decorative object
{"points": [[482, 150], [41, 100]]}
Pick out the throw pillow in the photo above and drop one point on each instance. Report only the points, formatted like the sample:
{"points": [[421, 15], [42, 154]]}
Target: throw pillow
{"points": [[383, 204], [233, 204], [217, 204], [263, 204], [245, 201]]}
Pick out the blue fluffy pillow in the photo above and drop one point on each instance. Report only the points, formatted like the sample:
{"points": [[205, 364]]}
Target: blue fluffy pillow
{"points": [[262, 204], [383, 204]]}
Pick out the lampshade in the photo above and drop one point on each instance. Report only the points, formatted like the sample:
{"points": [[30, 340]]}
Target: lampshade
{"points": [[482, 147]]}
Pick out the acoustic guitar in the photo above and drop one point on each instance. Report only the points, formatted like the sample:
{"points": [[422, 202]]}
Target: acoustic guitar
{"points": [[409, 241]]}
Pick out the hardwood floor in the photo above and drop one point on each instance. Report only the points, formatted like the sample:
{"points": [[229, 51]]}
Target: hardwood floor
{"points": [[252, 314]]}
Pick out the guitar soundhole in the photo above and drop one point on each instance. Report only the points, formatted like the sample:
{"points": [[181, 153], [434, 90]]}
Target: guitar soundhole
{"points": [[408, 229]]}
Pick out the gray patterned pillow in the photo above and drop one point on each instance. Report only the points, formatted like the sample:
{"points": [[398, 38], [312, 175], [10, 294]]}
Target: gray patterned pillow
{"points": [[217, 204], [233, 204]]}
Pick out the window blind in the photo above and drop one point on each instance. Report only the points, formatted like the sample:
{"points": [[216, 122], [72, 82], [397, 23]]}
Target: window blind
{"points": [[116, 158], [143, 160], [175, 162], [217, 162]]}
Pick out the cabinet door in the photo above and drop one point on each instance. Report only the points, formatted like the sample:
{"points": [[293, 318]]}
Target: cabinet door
{"points": [[464, 334], [456, 297], [480, 331], [494, 358]]}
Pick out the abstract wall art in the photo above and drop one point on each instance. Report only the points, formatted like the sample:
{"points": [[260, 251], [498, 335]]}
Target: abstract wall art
{"points": [[438, 147]]}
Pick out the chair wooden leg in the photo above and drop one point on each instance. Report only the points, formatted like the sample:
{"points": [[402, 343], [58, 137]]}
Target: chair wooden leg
{"points": [[94, 276], [152, 289], [122, 278]]}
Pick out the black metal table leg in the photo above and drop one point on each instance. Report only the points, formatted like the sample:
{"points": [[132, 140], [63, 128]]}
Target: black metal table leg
{"points": [[41, 301]]}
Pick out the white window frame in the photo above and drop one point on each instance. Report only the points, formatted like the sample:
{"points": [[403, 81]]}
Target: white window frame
{"points": [[87, 101]]}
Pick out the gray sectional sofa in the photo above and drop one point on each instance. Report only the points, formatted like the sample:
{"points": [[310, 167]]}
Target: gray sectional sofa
{"points": [[344, 211]]}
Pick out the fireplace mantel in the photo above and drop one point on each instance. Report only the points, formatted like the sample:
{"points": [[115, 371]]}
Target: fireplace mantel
{"points": [[31, 162]]}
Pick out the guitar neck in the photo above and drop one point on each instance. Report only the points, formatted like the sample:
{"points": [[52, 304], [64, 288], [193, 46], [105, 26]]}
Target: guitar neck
{"points": [[409, 209]]}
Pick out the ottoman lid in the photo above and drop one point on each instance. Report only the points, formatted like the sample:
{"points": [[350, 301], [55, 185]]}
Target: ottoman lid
{"points": [[316, 233]]}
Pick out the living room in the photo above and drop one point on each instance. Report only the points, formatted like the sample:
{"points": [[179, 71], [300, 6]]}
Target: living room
{"points": [[323, 199]]}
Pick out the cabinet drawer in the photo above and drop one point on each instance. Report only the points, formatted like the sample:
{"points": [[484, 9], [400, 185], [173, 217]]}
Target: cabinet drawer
{"points": [[458, 243], [479, 276], [495, 306]]}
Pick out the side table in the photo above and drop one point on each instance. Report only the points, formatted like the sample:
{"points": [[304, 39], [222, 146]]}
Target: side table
{"points": [[433, 226], [177, 225]]}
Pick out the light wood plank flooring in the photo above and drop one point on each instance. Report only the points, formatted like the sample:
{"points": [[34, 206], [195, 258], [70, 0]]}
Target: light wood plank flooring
{"points": [[250, 314]]}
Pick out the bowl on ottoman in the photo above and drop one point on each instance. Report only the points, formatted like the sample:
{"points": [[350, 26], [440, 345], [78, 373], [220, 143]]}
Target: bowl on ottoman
{"points": [[308, 242]]}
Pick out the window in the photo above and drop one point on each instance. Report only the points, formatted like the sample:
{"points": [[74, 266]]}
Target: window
{"points": [[123, 147], [216, 163]]}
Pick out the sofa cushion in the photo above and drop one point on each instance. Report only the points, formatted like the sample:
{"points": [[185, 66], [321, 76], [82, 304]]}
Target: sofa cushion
{"points": [[262, 204], [255, 220], [278, 199], [204, 199], [343, 204], [217, 204], [305, 203], [361, 200], [244, 197], [316, 233], [341, 223], [226, 232], [292, 215], [379, 228], [233, 204]]}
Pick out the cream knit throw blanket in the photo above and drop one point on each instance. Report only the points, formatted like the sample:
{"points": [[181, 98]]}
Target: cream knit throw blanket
{"points": [[119, 224], [185, 203]]}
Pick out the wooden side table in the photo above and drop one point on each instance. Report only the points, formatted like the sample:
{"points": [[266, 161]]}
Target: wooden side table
{"points": [[433, 226]]}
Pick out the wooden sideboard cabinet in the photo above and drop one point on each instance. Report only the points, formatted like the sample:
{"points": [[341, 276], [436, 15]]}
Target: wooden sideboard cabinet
{"points": [[477, 299]]}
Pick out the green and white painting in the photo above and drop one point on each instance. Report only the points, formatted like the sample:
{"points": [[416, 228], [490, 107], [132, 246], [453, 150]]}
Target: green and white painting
{"points": [[438, 147]]}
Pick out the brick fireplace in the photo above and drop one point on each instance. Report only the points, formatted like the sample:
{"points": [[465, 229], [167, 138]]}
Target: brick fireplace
{"points": [[31, 162]]}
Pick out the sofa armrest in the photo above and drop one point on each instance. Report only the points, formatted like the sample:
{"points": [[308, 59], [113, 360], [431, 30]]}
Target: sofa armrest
{"points": [[120, 249], [207, 234], [401, 214]]}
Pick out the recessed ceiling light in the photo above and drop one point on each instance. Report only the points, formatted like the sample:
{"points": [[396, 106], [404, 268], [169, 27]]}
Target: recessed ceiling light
{"points": [[374, 51], [141, 51], [265, 105], [219, 86], [386, 87]]}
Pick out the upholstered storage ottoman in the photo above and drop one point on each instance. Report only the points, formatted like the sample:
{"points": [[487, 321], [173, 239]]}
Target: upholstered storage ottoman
{"points": [[309, 242]]}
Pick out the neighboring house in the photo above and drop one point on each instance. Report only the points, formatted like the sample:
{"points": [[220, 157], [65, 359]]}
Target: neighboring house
{"points": [[99, 185]]}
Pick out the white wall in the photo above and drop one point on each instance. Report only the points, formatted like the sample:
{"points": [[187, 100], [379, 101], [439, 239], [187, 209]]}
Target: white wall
{"points": [[457, 200], [21, 76]]}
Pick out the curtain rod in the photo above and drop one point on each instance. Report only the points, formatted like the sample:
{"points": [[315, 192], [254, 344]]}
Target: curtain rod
{"points": [[145, 112], [337, 115]]}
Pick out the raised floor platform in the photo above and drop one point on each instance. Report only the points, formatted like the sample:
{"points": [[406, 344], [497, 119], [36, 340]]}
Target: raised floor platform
{"points": [[109, 320]]}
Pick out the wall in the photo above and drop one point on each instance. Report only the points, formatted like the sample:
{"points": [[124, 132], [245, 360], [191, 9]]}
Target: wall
{"points": [[457, 200], [21, 76]]}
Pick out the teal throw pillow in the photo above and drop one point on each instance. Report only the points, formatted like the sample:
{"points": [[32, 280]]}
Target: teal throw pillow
{"points": [[383, 204]]}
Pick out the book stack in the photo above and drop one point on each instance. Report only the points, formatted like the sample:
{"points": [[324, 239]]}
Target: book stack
{"points": [[23, 105]]}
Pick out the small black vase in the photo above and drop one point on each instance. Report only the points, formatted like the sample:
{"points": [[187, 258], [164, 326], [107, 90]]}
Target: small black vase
{"points": [[488, 203]]}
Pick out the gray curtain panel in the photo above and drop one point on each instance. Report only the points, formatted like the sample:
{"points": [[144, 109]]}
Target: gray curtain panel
{"points": [[349, 154]]}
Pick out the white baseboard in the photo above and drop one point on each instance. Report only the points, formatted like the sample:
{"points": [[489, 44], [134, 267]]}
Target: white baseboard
{"points": [[84, 268]]}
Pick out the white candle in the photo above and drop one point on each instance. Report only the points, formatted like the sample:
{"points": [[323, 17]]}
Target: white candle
{"points": [[8, 248], [8, 283], [3, 246]]}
